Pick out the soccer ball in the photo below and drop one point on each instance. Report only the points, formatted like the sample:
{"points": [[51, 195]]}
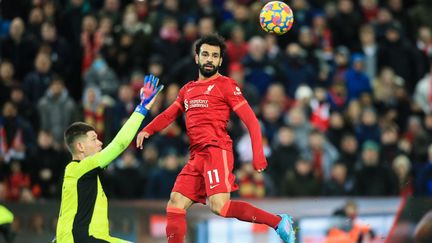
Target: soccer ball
{"points": [[276, 17]]}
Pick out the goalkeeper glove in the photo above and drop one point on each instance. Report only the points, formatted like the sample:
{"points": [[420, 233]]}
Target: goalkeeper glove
{"points": [[148, 93]]}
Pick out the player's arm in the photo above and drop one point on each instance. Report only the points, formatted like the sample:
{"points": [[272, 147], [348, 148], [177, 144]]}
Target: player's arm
{"points": [[162, 120], [248, 117], [239, 105], [127, 132]]}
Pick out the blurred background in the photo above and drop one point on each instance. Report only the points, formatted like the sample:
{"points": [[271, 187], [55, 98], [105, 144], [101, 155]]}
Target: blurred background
{"points": [[344, 100]]}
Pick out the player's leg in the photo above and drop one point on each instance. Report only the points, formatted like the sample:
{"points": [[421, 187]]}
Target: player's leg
{"points": [[176, 217], [219, 181], [177, 200], [188, 188], [221, 204]]}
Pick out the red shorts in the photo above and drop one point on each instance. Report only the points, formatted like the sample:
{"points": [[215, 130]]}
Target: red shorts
{"points": [[208, 172]]}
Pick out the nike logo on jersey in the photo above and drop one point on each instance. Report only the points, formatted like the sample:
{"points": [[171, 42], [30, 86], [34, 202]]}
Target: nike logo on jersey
{"points": [[190, 89], [213, 186]]}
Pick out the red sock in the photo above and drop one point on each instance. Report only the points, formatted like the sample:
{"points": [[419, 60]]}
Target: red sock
{"points": [[176, 225], [246, 212]]}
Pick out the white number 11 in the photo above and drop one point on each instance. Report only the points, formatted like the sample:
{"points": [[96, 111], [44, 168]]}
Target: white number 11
{"points": [[216, 175]]}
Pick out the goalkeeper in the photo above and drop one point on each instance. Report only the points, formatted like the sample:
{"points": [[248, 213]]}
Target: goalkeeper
{"points": [[84, 207]]}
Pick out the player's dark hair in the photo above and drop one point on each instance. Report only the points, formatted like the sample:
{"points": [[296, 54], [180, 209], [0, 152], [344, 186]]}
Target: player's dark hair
{"points": [[75, 131], [212, 40]]}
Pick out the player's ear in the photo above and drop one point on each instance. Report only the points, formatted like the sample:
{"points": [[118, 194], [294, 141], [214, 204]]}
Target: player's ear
{"points": [[79, 147], [220, 61], [196, 58]]}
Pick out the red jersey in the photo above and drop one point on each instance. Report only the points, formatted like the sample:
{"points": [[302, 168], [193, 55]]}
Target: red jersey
{"points": [[207, 106]]}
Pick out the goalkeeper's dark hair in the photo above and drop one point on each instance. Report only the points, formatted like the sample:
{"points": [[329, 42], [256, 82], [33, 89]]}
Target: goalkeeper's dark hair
{"points": [[75, 131], [212, 40]]}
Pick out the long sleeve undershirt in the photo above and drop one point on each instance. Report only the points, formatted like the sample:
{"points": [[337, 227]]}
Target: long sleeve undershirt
{"points": [[248, 117], [121, 140], [164, 119]]}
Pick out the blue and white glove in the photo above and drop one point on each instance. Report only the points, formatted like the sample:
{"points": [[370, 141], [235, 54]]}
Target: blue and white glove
{"points": [[148, 93]]}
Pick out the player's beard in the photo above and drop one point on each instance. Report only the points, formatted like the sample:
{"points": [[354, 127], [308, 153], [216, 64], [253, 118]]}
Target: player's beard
{"points": [[207, 72]]}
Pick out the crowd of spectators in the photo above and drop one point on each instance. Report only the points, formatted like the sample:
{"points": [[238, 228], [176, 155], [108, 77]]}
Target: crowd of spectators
{"points": [[344, 98]]}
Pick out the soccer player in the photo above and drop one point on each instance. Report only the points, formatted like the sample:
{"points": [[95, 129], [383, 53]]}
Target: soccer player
{"points": [[207, 103], [84, 206]]}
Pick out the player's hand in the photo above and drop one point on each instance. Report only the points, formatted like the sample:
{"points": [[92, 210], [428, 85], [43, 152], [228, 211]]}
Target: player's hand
{"points": [[149, 91], [259, 166], [260, 170], [140, 139]]}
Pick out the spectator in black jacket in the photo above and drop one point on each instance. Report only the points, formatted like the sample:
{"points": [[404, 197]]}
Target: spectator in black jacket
{"points": [[345, 24], [285, 154], [6, 80], [161, 181], [18, 48], [36, 82], [400, 55], [340, 183], [127, 167], [47, 166], [374, 179], [301, 181]]}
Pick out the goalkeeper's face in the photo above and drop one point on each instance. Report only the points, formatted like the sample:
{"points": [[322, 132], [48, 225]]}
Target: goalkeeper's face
{"points": [[90, 144], [209, 60]]}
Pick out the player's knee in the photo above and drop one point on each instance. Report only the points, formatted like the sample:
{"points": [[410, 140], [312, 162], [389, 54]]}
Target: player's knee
{"points": [[216, 206], [176, 201]]}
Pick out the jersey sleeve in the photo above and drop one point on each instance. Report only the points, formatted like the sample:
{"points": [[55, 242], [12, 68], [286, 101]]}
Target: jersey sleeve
{"points": [[233, 95], [110, 152], [121, 141], [168, 115], [75, 169], [164, 119], [180, 98], [247, 116]]}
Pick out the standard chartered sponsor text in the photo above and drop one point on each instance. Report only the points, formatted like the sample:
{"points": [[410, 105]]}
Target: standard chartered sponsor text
{"points": [[198, 103]]}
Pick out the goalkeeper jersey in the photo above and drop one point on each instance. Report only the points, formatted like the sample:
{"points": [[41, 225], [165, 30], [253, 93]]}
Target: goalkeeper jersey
{"points": [[84, 206]]}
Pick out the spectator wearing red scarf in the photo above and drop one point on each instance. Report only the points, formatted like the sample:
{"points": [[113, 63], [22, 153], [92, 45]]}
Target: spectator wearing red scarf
{"points": [[91, 41], [13, 132], [94, 110]]}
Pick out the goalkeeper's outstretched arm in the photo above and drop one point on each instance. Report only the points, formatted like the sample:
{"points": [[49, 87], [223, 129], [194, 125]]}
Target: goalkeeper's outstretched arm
{"points": [[123, 138]]}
